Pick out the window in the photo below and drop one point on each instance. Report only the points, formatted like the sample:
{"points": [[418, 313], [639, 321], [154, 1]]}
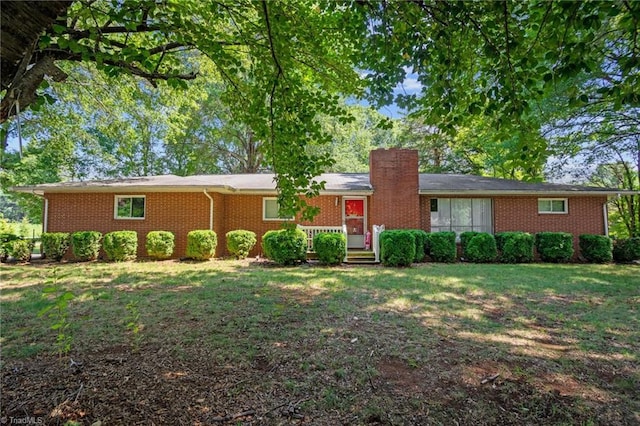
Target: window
{"points": [[129, 207], [552, 205], [271, 210], [461, 215]]}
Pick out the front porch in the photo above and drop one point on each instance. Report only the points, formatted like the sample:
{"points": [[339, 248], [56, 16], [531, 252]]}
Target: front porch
{"points": [[352, 255]]}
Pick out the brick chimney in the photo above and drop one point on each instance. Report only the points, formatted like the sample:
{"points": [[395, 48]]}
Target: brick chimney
{"points": [[395, 203]]}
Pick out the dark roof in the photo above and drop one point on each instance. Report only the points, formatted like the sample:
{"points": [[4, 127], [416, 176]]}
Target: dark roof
{"points": [[461, 184], [352, 183], [246, 183]]}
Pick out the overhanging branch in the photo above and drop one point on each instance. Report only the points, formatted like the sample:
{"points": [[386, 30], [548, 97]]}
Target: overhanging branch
{"points": [[23, 88]]}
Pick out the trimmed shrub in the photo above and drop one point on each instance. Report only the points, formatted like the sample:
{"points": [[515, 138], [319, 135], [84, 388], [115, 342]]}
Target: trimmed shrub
{"points": [[515, 247], [421, 243], [201, 244], [121, 245], [20, 249], [85, 245], [397, 247], [465, 237], [441, 246], [626, 249], [160, 244], [596, 248], [481, 248], [554, 246], [330, 247], [5, 245], [55, 244], [285, 246], [240, 242]]}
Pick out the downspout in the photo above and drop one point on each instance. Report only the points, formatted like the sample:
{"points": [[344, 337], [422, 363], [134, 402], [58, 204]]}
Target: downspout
{"points": [[605, 215], [210, 210], [45, 212], [45, 219]]}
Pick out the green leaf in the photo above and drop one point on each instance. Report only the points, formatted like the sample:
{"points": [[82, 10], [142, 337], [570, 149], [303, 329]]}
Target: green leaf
{"points": [[474, 108], [45, 310], [49, 99], [44, 42], [58, 29], [75, 47], [67, 296]]}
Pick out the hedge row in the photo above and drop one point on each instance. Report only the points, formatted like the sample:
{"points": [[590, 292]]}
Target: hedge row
{"points": [[401, 247], [123, 245]]}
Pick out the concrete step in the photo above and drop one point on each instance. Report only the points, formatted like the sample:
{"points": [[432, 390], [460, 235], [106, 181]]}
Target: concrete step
{"points": [[354, 256], [361, 256]]}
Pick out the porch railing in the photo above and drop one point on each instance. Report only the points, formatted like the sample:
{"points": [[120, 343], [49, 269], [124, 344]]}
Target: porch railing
{"points": [[312, 231], [375, 240]]}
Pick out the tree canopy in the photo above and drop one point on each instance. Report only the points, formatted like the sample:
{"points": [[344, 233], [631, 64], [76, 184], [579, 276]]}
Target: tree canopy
{"points": [[485, 67]]}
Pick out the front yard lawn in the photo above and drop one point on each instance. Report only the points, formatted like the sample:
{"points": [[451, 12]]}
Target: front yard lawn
{"points": [[243, 342]]}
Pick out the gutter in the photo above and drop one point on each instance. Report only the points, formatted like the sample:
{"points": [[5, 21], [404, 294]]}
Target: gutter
{"points": [[45, 219], [468, 193]]}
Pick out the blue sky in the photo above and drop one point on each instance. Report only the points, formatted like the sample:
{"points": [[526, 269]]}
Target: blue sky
{"points": [[409, 86]]}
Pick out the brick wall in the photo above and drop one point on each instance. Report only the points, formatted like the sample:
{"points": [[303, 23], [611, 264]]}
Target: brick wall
{"points": [[245, 212], [396, 204], [176, 212], [394, 177], [585, 215], [425, 212]]}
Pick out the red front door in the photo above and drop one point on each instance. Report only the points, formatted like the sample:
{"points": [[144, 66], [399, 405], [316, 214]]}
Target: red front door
{"points": [[355, 217]]}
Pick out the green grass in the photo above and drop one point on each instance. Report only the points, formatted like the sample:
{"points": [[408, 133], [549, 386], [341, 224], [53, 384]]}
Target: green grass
{"points": [[571, 330]]}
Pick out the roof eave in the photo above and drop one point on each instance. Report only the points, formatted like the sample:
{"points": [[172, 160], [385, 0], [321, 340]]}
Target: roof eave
{"points": [[39, 190], [525, 193], [223, 189], [347, 192]]}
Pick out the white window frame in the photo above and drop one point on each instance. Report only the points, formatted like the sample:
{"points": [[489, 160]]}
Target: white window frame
{"points": [[116, 198], [264, 211], [565, 204]]}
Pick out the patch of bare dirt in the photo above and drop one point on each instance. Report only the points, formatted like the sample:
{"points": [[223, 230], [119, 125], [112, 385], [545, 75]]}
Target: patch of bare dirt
{"points": [[490, 392], [152, 386], [192, 386]]}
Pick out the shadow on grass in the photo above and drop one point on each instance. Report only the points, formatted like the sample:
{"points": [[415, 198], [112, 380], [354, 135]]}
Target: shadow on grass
{"points": [[552, 343]]}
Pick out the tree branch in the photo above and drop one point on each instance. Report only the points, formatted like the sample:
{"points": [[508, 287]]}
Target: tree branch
{"points": [[24, 86], [276, 79], [274, 56], [542, 24]]}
